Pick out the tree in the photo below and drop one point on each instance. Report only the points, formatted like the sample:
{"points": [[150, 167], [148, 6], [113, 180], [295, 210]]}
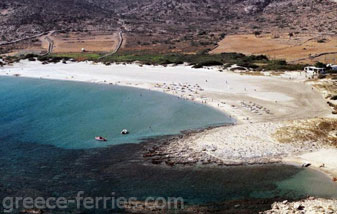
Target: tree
{"points": [[320, 65], [222, 35], [257, 33]]}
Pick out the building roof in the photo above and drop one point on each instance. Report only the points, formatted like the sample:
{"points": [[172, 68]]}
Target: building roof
{"points": [[313, 67]]}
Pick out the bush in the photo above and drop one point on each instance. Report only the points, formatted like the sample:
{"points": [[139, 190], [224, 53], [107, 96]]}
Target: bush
{"points": [[257, 33], [258, 58], [281, 65], [280, 62], [320, 65], [203, 52], [207, 63], [247, 65], [232, 56], [222, 35], [28, 56], [43, 58]]}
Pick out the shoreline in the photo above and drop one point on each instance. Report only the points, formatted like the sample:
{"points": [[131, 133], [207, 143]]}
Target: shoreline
{"points": [[177, 151], [241, 96], [157, 87], [253, 101], [298, 160]]}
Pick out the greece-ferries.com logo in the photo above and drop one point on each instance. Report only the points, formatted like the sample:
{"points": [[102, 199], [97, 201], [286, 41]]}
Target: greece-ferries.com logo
{"points": [[80, 202]]}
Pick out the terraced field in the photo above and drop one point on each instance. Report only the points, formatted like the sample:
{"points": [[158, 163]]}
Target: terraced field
{"points": [[74, 42]]}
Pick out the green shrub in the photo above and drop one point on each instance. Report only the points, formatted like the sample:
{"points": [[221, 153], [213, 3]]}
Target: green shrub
{"points": [[320, 65], [207, 63]]}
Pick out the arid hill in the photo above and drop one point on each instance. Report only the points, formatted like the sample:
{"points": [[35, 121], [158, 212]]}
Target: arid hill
{"points": [[162, 25]]}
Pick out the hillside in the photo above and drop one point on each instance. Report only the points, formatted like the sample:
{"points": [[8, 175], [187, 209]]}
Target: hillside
{"points": [[162, 25]]}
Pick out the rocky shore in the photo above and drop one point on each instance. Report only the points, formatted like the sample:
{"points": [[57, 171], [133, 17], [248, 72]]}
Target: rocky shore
{"points": [[249, 206], [308, 206], [244, 144], [158, 151]]}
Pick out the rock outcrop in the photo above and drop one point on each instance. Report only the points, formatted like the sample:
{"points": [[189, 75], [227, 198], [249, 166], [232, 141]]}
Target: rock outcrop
{"points": [[308, 206]]}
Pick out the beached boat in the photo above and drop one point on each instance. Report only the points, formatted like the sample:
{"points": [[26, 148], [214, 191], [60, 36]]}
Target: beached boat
{"points": [[306, 164], [99, 138]]}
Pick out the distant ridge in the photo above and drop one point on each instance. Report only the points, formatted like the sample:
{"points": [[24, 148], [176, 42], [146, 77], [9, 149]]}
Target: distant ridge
{"points": [[196, 23]]}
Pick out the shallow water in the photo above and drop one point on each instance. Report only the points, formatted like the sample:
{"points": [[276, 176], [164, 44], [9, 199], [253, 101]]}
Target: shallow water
{"points": [[46, 147], [70, 114]]}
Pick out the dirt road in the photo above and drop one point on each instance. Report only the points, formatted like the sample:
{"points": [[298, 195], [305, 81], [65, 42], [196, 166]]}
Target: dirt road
{"points": [[120, 43]]}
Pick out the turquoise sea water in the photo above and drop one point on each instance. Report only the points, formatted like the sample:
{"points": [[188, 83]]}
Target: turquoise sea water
{"points": [[47, 147], [70, 114]]}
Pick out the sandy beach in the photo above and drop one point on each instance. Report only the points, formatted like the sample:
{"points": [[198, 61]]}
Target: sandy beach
{"points": [[247, 98], [317, 159], [260, 104]]}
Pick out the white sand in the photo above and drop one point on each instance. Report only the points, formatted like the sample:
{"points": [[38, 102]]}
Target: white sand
{"points": [[250, 99], [239, 144], [328, 157], [275, 98], [252, 143]]}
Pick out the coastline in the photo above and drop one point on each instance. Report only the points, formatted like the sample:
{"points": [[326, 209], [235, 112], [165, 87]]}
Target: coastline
{"points": [[316, 159], [248, 99], [259, 104]]}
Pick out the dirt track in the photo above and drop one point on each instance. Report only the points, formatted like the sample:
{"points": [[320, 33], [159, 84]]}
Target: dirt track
{"points": [[120, 43]]}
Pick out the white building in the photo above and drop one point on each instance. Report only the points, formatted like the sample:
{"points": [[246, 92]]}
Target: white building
{"points": [[312, 70]]}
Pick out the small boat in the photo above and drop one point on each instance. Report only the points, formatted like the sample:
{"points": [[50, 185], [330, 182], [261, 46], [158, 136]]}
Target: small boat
{"points": [[124, 132], [305, 165], [99, 138]]}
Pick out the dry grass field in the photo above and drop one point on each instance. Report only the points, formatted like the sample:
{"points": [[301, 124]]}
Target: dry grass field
{"points": [[298, 48], [74, 42], [26, 47], [68, 43], [308, 131], [163, 43]]}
